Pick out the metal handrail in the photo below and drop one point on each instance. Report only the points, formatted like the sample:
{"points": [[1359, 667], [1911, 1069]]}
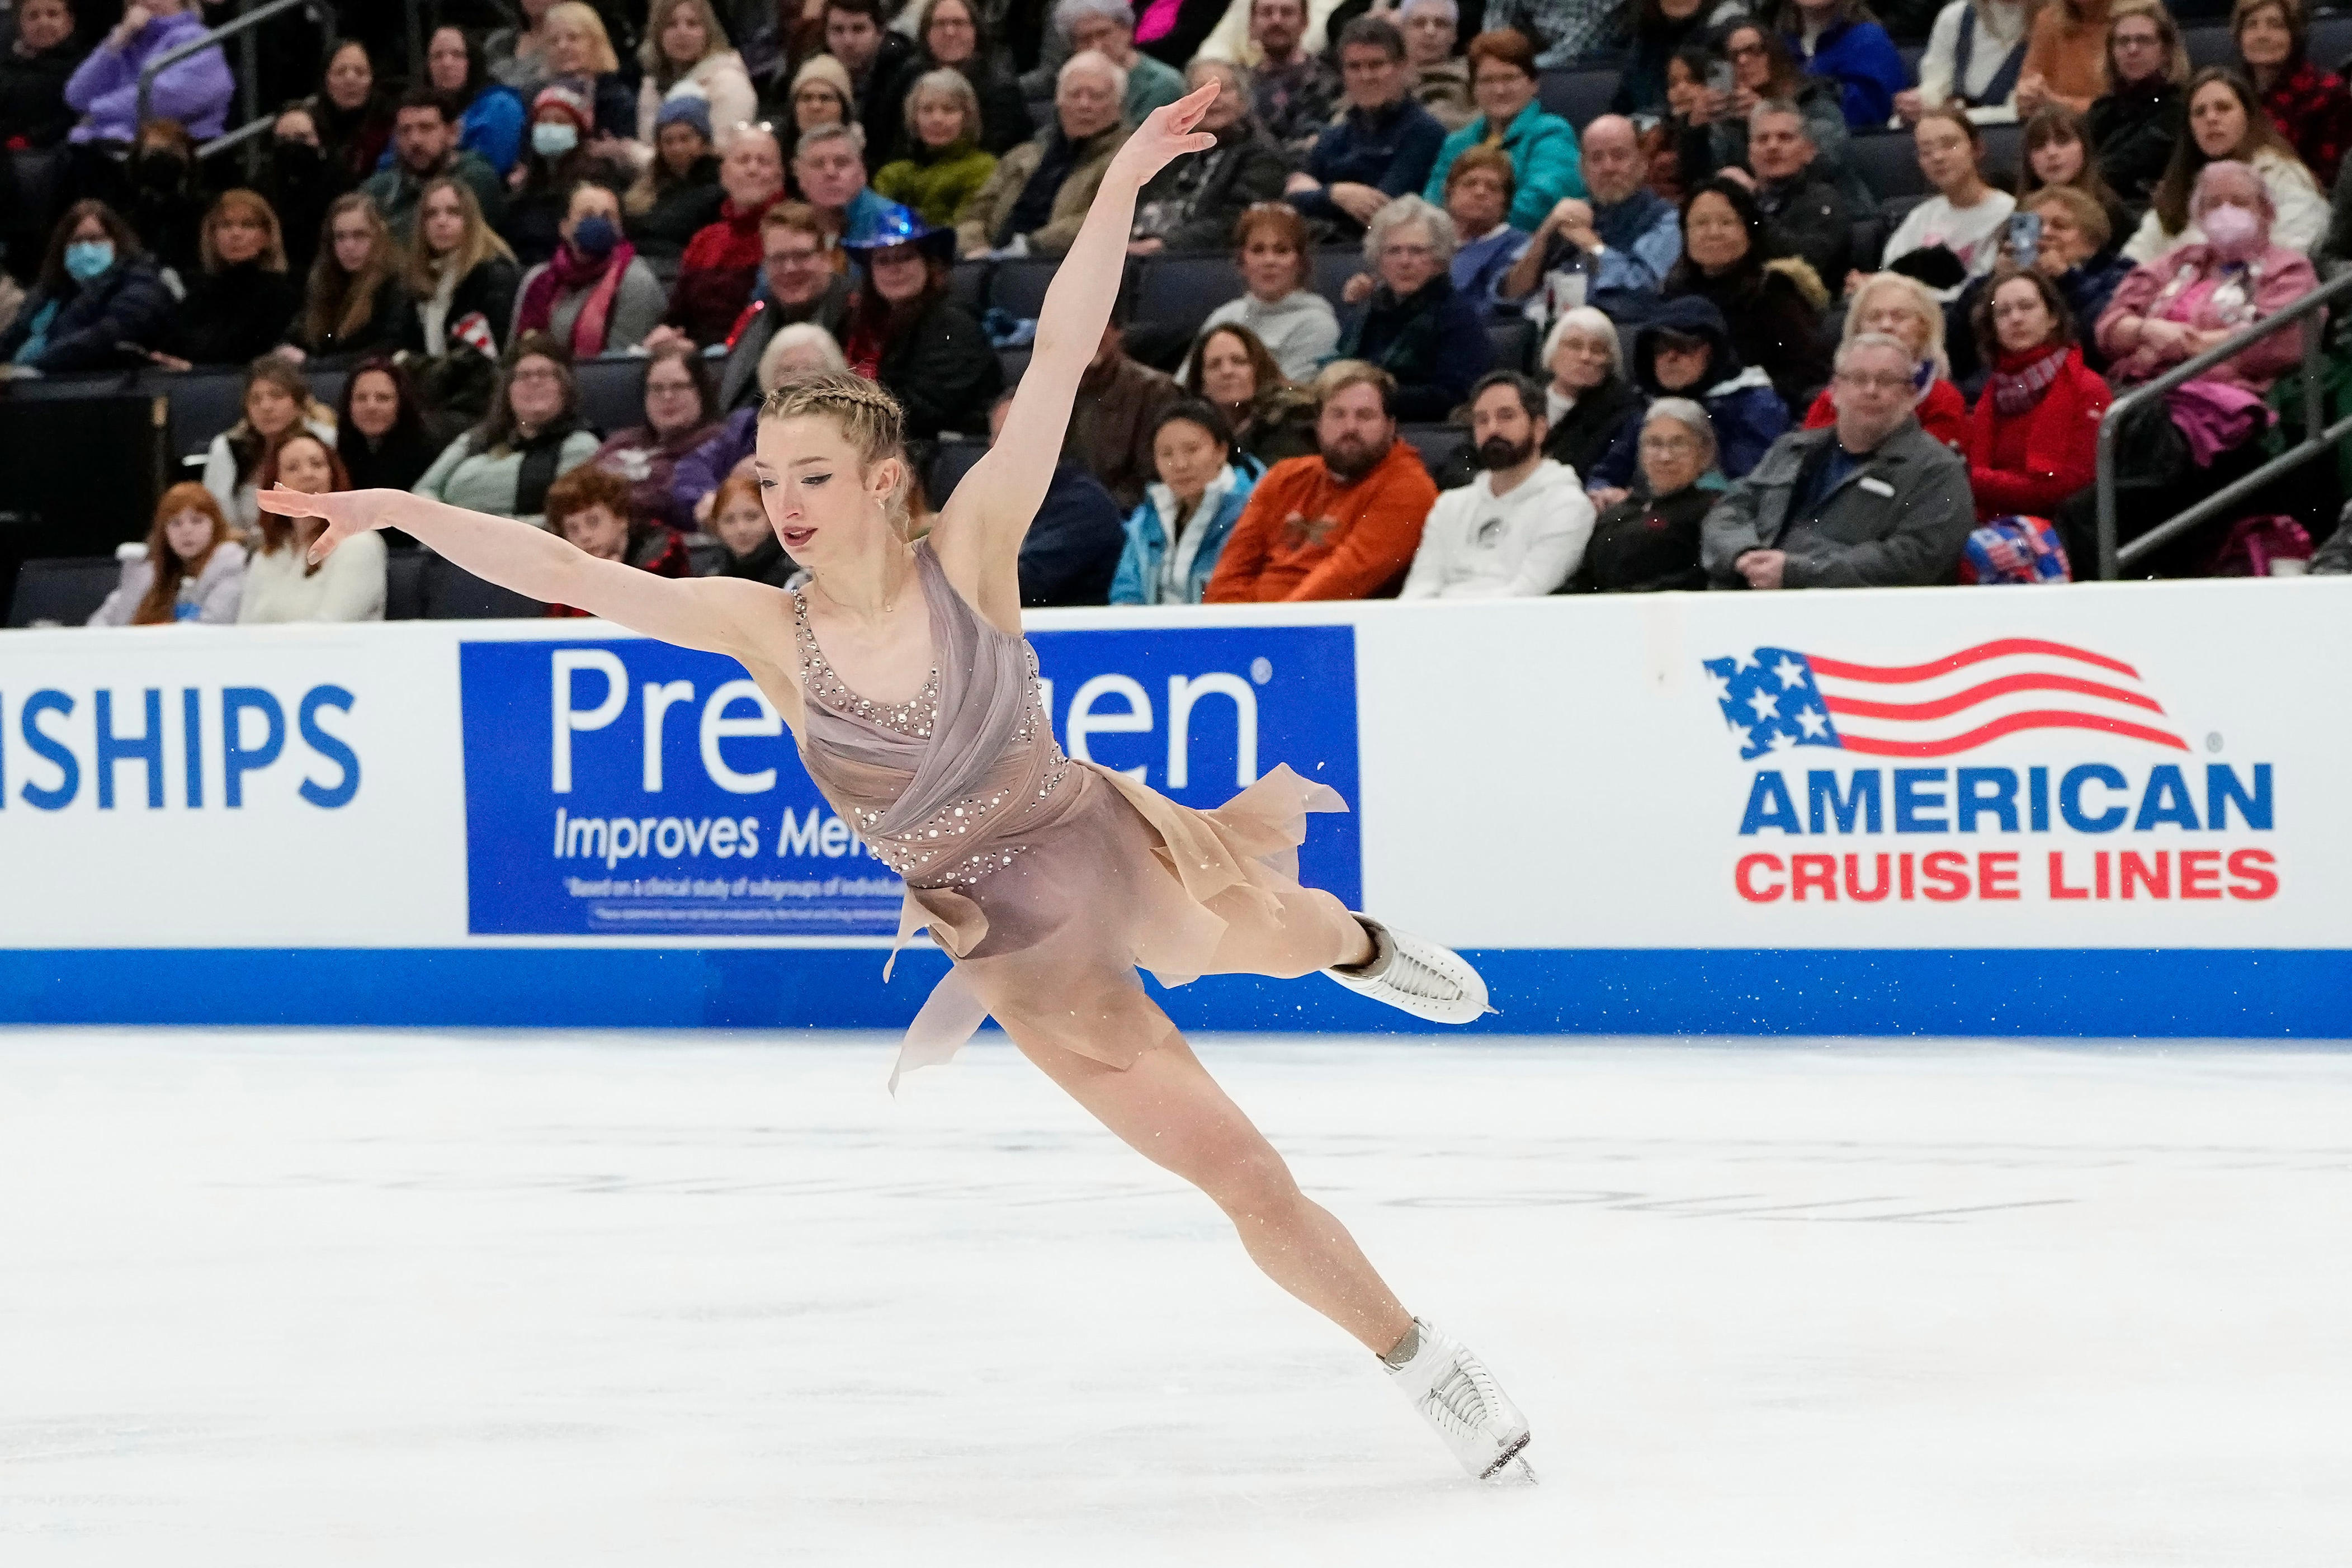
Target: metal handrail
{"points": [[2315, 440], [212, 39]]}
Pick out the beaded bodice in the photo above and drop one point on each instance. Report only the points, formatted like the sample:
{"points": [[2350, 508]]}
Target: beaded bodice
{"points": [[937, 786]]}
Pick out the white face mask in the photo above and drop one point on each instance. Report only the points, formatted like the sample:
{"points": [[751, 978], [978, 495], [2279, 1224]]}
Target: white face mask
{"points": [[553, 139]]}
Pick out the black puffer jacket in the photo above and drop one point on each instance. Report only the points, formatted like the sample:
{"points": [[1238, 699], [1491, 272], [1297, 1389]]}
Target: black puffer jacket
{"points": [[129, 304], [678, 214], [235, 315], [33, 93], [2132, 132]]}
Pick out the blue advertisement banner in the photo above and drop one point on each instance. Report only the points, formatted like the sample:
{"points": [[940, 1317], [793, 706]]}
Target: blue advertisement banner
{"points": [[631, 788]]}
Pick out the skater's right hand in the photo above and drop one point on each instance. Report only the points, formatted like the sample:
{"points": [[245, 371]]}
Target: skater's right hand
{"points": [[345, 512], [1167, 134]]}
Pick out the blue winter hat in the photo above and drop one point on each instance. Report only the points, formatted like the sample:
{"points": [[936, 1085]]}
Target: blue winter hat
{"points": [[890, 224], [685, 109]]}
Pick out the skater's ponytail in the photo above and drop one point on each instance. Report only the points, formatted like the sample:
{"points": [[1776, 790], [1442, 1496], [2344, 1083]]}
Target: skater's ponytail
{"points": [[870, 418]]}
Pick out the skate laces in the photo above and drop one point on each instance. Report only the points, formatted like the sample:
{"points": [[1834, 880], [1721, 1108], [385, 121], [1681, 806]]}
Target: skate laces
{"points": [[1464, 1398], [1416, 977]]}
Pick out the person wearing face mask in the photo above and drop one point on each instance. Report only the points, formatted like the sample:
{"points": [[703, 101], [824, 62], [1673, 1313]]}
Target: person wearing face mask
{"points": [[192, 573], [2226, 123], [96, 291], [1176, 532], [165, 201], [2206, 290], [562, 154], [581, 59], [299, 185], [1520, 526], [1192, 203], [595, 293]]}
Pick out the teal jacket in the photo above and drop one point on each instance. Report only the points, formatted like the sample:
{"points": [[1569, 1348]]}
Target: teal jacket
{"points": [[1545, 163], [1136, 581]]}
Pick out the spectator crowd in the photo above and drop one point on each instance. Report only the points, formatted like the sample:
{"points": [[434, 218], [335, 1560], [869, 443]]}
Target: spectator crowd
{"points": [[1702, 338]]}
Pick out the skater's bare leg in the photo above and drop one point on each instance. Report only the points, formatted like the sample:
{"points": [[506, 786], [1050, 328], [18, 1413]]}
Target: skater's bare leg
{"points": [[1168, 1108]]}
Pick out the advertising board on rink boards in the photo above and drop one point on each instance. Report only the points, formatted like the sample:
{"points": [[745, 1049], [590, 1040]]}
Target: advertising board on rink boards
{"points": [[2129, 767]]}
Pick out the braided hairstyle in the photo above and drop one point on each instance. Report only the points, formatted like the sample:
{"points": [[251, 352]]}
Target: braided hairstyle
{"points": [[869, 419]]}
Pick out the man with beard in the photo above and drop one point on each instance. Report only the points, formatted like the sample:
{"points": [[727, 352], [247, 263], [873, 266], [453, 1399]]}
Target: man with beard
{"points": [[1517, 529], [1342, 524]]}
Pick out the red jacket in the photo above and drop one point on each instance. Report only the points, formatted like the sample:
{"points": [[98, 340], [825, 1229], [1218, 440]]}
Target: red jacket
{"points": [[716, 274], [1942, 413], [2030, 464]]}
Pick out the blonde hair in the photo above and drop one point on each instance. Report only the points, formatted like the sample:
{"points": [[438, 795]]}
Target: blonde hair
{"points": [[1915, 295], [585, 17], [664, 72], [869, 419], [479, 243], [249, 204]]}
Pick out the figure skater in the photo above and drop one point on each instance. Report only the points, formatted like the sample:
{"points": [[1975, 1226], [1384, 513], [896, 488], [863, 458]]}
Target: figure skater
{"points": [[914, 701]]}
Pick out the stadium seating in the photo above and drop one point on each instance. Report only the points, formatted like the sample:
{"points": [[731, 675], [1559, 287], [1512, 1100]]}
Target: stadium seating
{"points": [[1578, 96], [1888, 163], [62, 592], [1438, 445], [951, 458], [1182, 290], [611, 392], [1018, 287]]}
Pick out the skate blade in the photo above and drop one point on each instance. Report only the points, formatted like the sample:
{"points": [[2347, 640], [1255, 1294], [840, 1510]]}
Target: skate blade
{"points": [[1512, 1466]]}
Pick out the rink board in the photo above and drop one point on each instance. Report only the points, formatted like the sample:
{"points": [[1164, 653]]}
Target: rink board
{"points": [[2109, 811]]}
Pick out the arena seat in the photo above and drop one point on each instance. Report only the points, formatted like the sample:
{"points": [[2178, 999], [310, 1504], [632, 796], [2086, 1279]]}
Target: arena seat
{"points": [[1437, 444], [404, 585], [447, 591], [1180, 291], [2211, 47], [2004, 154], [1578, 96], [708, 559], [1334, 265], [1512, 343], [968, 285], [1018, 287], [1887, 163], [1013, 362], [205, 403], [62, 592], [611, 392], [2331, 41], [951, 458]]}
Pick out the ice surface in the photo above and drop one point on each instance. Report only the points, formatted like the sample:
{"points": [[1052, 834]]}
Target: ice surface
{"points": [[392, 1299]]}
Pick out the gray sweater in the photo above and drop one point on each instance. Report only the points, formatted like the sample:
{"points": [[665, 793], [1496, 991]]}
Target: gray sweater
{"points": [[1897, 519], [638, 308], [210, 597], [480, 482]]}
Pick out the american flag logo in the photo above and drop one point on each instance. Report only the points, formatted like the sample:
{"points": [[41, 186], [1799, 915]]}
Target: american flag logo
{"points": [[1777, 698]]}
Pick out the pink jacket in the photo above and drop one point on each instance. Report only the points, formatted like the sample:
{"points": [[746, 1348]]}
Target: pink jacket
{"points": [[2278, 277]]}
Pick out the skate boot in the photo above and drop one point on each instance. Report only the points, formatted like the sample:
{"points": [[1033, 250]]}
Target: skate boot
{"points": [[1456, 1395], [1416, 975]]}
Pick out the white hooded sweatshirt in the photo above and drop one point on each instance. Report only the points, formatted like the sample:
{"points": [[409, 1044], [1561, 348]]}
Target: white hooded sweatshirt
{"points": [[1475, 546]]}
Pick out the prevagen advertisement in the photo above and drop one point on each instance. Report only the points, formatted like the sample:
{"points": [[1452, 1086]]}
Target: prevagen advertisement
{"points": [[628, 787]]}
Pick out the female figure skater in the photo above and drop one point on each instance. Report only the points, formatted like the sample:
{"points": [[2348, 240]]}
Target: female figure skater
{"points": [[913, 699]]}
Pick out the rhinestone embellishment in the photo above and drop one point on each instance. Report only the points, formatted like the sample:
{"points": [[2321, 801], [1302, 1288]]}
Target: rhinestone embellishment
{"points": [[912, 719]]}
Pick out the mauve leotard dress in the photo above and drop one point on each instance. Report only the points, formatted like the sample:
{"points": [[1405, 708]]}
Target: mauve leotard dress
{"points": [[1047, 880]]}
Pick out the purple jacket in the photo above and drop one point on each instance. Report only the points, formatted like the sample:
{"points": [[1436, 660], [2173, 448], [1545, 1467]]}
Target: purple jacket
{"points": [[195, 93], [705, 468]]}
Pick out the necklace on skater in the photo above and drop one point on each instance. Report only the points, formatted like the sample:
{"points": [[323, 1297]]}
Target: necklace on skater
{"points": [[890, 593]]}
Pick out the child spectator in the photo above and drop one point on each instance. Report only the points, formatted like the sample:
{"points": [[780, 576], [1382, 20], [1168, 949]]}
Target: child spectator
{"points": [[2058, 148], [1176, 533], [580, 60], [740, 523], [95, 293], [193, 568], [679, 419], [590, 507], [280, 582], [505, 465], [277, 401], [1342, 524]]}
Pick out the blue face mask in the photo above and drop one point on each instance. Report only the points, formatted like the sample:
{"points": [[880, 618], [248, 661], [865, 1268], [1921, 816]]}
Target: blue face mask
{"points": [[595, 236], [90, 259], [552, 138]]}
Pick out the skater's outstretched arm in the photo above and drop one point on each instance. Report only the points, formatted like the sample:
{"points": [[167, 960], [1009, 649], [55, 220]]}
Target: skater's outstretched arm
{"points": [[709, 613], [977, 538]]}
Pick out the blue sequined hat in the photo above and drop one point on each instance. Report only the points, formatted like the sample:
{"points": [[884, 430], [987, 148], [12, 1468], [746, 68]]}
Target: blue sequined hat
{"points": [[891, 225]]}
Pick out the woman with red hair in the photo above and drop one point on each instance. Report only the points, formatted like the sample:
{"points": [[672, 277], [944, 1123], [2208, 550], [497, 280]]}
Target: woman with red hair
{"points": [[193, 569]]}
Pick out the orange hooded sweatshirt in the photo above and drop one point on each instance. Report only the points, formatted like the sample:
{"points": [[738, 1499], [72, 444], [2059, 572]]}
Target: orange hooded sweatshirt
{"points": [[1306, 536]]}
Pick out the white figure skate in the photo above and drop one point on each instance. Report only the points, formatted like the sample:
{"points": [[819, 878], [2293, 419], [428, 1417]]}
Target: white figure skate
{"points": [[1417, 976], [1457, 1395]]}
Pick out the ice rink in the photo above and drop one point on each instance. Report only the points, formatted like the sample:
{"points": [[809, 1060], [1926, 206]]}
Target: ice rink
{"points": [[407, 1298]]}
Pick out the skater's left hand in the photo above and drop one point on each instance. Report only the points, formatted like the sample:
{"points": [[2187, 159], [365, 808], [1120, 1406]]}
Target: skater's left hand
{"points": [[1165, 135]]}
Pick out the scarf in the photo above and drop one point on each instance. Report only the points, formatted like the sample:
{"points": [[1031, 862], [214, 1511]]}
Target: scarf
{"points": [[2021, 381], [537, 472], [566, 272], [1620, 224], [732, 242]]}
